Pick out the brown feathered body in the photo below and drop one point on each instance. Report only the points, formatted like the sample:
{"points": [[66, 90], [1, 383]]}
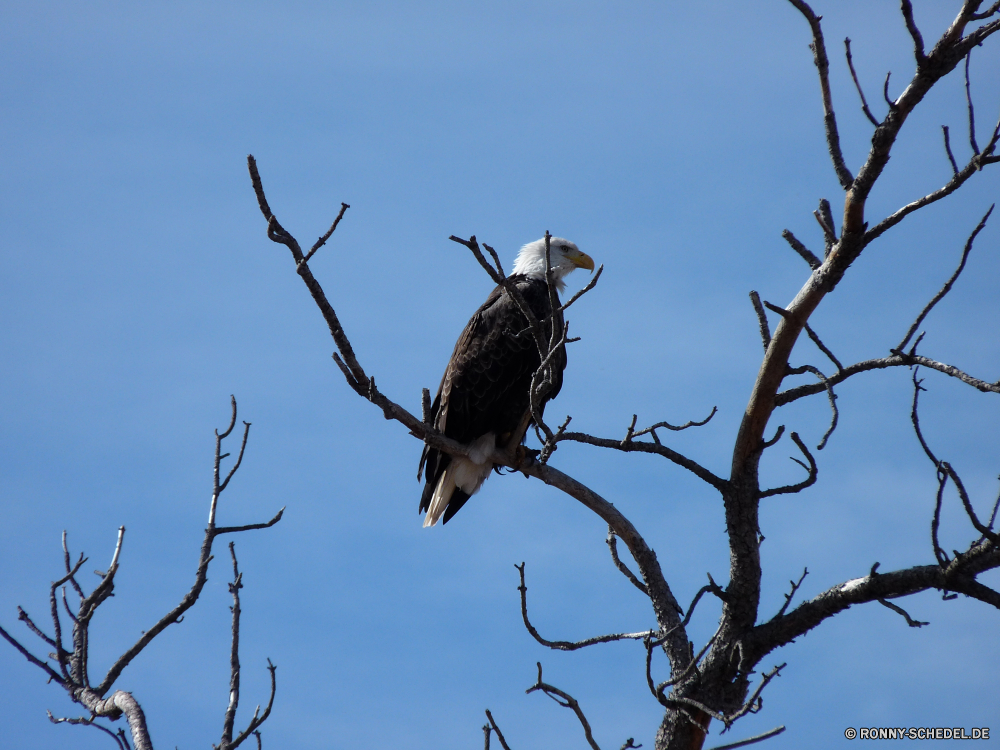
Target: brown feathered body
{"points": [[483, 400]]}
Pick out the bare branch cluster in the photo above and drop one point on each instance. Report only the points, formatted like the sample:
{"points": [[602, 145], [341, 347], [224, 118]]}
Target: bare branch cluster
{"points": [[71, 665]]}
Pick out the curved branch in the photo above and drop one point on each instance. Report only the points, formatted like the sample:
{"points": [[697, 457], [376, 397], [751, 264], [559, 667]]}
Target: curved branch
{"points": [[566, 701], [569, 645], [833, 403], [665, 606], [807, 482], [948, 284]]}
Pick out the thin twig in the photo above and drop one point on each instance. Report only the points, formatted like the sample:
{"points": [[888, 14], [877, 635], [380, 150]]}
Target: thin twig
{"points": [[899, 610], [569, 645], [251, 526], [939, 553], [915, 418], [765, 331], [89, 722], [885, 92], [751, 740], [496, 260], [612, 542], [807, 482], [967, 503], [591, 284], [754, 702], [822, 63], [972, 114], [947, 148], [495, 728], [239, 458], [676, 428], [948, 284], [816, 340], [566, 701], [234, 653], [857, 85], [322, 240], [835, 412], [824, 217], [791, 594], [802, 250], [986, 13], [918, 40]]}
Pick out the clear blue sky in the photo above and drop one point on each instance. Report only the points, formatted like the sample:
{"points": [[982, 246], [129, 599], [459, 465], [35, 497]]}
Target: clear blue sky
{"points": [[673, 143]]}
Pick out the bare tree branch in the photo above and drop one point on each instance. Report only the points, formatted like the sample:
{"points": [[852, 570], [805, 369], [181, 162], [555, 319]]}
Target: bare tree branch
{"points": [[661, 450], [566, 701], [277, 233], [765, 331], [234, 653], [801, 249], [947, 149], [818, 48], [857, 85], [590, 285], [822, 347], [495, 728], [612, 542], [569, 645], [959, 179], [824, 217], [201, 575], [918, 40], [899, 610], [752, 740], [754, 703], [322, 240], [957, 576], [968, 99], [807, 482], [986, 13], [791, 594], [896, 360], [948, 284], [83, 721]]}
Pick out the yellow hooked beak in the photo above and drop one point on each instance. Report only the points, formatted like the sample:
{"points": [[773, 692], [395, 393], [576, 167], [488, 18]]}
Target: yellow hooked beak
{"points": [[580, 260]]}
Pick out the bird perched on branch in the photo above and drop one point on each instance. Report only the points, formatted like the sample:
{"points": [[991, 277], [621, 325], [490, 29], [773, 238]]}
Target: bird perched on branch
{"points": [[484, 397]]}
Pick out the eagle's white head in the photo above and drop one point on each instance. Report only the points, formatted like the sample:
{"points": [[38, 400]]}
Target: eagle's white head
{"points": [[564, 256]]}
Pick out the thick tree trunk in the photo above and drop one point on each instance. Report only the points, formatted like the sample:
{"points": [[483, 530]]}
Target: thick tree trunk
{"points": [[676, 732]]}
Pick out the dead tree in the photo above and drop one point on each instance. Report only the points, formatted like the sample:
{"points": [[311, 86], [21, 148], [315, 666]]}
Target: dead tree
{"points": [[69, 669], [716, 680]]}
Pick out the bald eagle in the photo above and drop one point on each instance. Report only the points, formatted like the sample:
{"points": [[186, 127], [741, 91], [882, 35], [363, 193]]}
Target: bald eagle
{"points": [[483, 400]]}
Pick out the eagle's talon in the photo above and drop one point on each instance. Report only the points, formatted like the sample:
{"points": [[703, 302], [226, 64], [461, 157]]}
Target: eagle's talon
{"points": [[524, 457]]}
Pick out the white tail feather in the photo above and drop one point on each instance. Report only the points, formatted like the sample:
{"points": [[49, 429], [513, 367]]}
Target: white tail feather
{"points": [[442, 494], [465, 473]]}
